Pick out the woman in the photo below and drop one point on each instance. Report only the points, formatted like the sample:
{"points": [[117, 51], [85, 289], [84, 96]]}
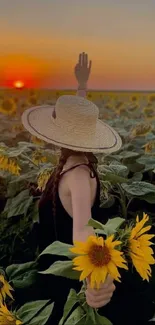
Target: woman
{"points": [[72, 194]]}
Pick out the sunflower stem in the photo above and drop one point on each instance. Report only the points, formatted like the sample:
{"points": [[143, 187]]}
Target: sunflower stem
{"points": [[122, 200], [80, 293]]}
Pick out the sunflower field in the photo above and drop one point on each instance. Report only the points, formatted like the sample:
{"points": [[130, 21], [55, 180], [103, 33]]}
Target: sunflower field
{"points": [[127, 188]]}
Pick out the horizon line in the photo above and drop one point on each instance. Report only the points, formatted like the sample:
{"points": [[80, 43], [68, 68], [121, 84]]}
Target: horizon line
{"points": [[75, 89]]}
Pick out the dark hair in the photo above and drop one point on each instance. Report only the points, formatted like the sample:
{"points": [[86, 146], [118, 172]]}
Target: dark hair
{"points": [[51, 188]]}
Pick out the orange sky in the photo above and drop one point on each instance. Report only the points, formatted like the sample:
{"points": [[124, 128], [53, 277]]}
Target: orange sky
{"points": [[41, 41]]}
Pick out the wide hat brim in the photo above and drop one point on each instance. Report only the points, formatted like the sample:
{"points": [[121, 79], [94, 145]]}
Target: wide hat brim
{"points": [[39, 122]]}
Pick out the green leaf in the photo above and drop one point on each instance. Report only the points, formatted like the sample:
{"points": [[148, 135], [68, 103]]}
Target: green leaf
{"points": [[101, 320], [58, 248], [26, 280], [43, 316], [23, 147], [95, 224], [137, 177], [148, 161], [22, 275], [90, 319], [30, 309], [100, 232], [136, 167], [18, 205], [113, 178], [112, 225], [15, 270], [62, 268], [76, 318], [72, 299], [19, 183], [108, 203], [106, 229], [114, 168], [128, 154], [150, 198], [139, 188]]}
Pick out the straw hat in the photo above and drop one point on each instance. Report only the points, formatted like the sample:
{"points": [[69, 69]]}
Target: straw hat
{"points": [[76, 125]]}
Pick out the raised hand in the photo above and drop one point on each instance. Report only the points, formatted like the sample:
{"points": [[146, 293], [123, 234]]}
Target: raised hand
{"points": [[82, 70]]}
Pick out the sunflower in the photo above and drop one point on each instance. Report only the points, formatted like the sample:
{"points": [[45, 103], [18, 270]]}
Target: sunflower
{"points": [[17, 128], [141, 129], [7, 317], [98, 258], [133, 107], [9, 165], [148, 112], [8, 106], [122, 110], [151, 98], [149, 146], [4, 289], [38, 158], [139, 248], [43, 179], [134, 98]]}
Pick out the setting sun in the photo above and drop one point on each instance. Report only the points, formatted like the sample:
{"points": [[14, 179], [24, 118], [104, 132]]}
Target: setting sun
{"points": [[18, 84]]}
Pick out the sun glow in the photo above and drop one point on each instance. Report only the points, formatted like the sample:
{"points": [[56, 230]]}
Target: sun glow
{"points": [[18, 84]]}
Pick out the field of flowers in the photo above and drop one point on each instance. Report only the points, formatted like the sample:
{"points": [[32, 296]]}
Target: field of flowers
{"points": [[127, 178]]}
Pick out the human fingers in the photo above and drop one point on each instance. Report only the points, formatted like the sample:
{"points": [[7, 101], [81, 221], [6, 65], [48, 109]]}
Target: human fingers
{"points": [[107, 283], [90, 65], [97, 304], [109, 280], [102, 291], [85, 60], [80, 59], [101, 296]]}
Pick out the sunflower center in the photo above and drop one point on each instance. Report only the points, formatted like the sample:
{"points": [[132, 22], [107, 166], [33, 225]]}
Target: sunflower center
{"points": [[99, 255], [1, 284]]}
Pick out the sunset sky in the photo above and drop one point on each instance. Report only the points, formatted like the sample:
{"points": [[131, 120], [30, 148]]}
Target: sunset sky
{"points": [[41, 39]]}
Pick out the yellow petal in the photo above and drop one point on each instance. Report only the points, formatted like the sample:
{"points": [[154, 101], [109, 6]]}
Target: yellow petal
{"points": [[6, 289], [113, 271], [82, 261], [98, 276], [142, 231], [139, 226], [85, 274], [18, 322]]}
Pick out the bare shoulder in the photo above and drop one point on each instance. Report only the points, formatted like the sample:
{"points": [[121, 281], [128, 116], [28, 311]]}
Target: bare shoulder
{"points": [[79, 173], [78, 181]]}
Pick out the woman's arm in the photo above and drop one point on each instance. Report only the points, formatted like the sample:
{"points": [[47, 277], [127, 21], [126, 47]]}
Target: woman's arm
{"points": [[82, 71], [79, 185]]}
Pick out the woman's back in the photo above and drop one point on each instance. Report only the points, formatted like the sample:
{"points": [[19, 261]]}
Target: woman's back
{"points": [[60, 227]]}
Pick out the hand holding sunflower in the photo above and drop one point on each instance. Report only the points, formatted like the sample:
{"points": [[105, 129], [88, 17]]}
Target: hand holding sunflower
{"points": [[100, 258], [97, 298]]}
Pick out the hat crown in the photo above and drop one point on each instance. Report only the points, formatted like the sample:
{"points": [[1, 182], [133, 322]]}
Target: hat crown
{"points": [[76, 110]]}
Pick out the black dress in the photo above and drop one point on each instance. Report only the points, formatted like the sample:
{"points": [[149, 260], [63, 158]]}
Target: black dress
{"points": [[131, 303]]}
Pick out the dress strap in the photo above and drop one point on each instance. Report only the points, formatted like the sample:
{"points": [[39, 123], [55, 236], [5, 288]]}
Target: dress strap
{"points": [[92, 171]]}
